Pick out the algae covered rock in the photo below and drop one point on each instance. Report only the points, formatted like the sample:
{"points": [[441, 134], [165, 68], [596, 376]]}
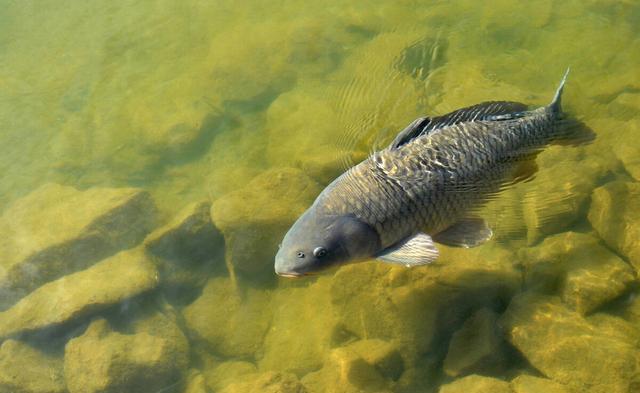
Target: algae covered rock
{"points": [[413, 306], [346, 371], [225, 373], [109, 282], [476, 384], [559, 194], [254, 219], [185, 250], [615, 215], [269, 382], [292, 344], [568, 349], [25, 369], [586, 274], [195, 383], [105, 361], [57, 230], [384, 356], [531, 384], [477, 347], [230, 323]]}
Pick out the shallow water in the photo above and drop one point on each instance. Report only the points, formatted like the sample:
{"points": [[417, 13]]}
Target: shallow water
{"points": [[233, 117]]}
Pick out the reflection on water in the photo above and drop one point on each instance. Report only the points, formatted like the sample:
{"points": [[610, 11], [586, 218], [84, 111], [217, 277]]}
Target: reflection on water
{"points": [[154, 153]]}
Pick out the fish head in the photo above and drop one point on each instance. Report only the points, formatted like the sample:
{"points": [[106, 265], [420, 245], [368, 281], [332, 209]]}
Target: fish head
{"points": [[316, 242]]}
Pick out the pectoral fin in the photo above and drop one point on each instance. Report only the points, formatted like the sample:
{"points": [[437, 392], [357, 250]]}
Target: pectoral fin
{"points": [[413, 251], [467, 233]]}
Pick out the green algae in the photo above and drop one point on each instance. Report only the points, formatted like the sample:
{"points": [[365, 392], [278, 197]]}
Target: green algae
{"points": [[253, 108]]}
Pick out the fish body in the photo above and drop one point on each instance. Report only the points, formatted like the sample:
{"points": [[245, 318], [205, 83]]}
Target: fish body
{"points": [[424, 187]]}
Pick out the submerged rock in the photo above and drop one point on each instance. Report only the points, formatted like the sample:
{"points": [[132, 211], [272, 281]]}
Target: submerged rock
{"points": [[531, 384], [195, 383], [231, 324], [584, 272], [57, 230], [476, 384], [615, 215], [105, 361], [255, 218], [116, 279], [292, 343], [269, 382], [25, 369], [569, 349], [185, 250], [346, 371], [414, 306], [477, 347], [382, 355], [228, 372], [559, 194]]}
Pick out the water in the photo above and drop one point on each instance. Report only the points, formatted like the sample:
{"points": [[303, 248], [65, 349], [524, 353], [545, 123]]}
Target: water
{"points": [[243, 112]]}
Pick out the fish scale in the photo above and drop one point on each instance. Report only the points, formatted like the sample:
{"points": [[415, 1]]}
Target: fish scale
{"points": [[444, 174]]}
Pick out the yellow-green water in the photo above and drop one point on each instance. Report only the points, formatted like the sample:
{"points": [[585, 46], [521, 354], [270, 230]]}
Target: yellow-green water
{"points": [[253, 107]]}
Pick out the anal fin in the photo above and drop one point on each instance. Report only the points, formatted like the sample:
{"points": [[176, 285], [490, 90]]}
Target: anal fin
{"points": [[468, 232], [413, 251]]}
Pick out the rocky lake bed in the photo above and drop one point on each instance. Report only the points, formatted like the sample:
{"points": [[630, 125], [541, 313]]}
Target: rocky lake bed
{"points": [[152, 160]]}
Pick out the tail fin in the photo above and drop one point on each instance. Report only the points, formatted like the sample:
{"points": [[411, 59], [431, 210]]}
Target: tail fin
{"points": [[555, 104]]}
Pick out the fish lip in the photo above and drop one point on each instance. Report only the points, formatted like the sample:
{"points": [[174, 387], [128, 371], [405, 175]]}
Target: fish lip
{"points": [[291, 275]]}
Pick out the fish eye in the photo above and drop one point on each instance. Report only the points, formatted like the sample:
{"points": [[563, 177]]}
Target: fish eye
{"points": [[300, 254], [319, 252]]}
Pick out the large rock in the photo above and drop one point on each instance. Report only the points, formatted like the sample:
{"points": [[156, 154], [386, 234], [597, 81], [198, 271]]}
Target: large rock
{"points": [[231, 324], [25, 369], [569, 349], [476, 384], [584, 272], [255, 218], [105, 361], [225, 373], [186, 250], [477, 347], [118, 278], [615, 215], [57, 230]]}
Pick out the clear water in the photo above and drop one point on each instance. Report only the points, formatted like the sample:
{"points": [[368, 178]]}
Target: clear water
{"points": [[255, 107]]}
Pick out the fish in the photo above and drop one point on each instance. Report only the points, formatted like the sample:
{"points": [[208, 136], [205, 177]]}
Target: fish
{"points": [[426, 187]]}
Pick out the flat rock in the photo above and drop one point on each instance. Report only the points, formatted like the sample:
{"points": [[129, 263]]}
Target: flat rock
{"points": [[231, 324], [578, 267], [25, 369], [105, 361], [568, 349], [57, 230], [476, 384], [531, 384], [254, 219], [477, 347], [186, 250], [615, 215], [117, 278]]}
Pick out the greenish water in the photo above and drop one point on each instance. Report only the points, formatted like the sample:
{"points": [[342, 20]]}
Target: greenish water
{"points": [[233, 116]]}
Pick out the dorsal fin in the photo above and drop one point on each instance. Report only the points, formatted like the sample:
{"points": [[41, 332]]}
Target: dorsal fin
{"points": [[490, 110]]}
